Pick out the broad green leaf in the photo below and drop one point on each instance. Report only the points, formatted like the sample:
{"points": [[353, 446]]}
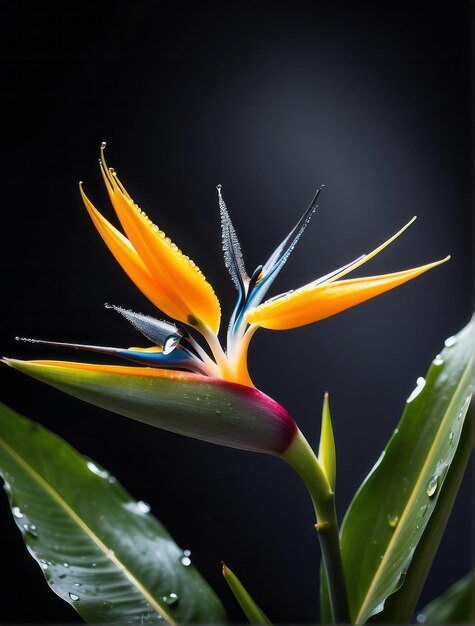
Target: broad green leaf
{"points": [[99, 550], [455, 606], [326, 451], [390, 512], [197, 406], [400, 606], [247, 604]]}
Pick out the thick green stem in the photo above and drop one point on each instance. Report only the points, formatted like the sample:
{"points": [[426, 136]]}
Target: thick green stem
{"points": [[302, 458]]}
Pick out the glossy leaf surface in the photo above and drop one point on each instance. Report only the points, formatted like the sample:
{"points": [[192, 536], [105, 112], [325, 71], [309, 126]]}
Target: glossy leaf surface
{"points": [[390, 512], [400, 606], [455, 606], [99, 550]]}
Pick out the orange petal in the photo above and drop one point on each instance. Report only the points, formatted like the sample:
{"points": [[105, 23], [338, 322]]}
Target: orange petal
{"points": [[194, 299], [129, 260], [313, 303]]}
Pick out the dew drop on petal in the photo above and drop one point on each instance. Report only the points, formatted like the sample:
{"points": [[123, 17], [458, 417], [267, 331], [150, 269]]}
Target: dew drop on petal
{"points": [[450, 341]]}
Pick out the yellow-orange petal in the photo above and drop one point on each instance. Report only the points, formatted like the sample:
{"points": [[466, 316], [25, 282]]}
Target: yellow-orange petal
{"points": [[194, 300], [127, 257], [313, 303], [371, 255]]}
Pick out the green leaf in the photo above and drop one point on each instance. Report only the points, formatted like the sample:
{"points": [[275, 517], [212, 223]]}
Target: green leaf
{"points": [[99, 550], [247, 604], [391, 510], [455, 606], [326, 452], [197, 406], [400, 606]]}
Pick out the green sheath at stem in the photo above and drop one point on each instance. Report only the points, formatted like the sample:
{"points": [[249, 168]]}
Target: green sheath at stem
{"points": [[302, 458]]}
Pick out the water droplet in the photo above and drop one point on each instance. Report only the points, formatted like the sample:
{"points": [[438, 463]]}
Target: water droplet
{"points": [[451, 341], [30, 529], [393, 520], [43, 564], [185, 559], [143, 507], [16, 512], [218, 412], [97, 470], [93, 564], [432, 486], [420, 386], [421, 618], [451, 437], [423, 510], [438, 360], [103, 145], [74, 597], [171, 599], [112, 480], [65, 564], [77, 584]]}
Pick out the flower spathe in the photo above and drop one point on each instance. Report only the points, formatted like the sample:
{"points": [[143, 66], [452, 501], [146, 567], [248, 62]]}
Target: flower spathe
{"points": [[175, 285]]}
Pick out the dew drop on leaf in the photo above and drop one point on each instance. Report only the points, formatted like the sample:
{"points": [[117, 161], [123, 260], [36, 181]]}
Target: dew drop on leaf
{"points": [[143, 507], [96, 470], [30, 529], [171, 599], [393, 520], [74, 597], [16, 512], [185, 559], [432, 486], [451, 341]]}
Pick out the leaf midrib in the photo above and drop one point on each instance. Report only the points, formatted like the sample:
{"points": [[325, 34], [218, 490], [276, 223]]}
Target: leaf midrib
{"points": [[88, 531], [415, 491]]}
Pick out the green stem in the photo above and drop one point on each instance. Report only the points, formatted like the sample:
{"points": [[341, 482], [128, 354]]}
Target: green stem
{"points": [[302, 458]]}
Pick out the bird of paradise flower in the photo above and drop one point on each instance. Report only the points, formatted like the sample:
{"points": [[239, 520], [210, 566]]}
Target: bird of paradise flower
{"points": [[175, 284], [207, 392]]}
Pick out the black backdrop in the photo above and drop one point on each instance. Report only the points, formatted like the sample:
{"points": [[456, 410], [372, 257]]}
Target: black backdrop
{"points": [[270, 99]]}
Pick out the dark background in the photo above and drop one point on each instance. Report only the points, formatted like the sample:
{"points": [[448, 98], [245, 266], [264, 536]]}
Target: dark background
{"points": [[270, 99]]}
